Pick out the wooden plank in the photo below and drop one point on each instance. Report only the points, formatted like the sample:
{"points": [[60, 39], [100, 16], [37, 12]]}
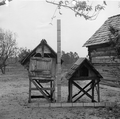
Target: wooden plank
{"points": [[103, 53], [99, 47], [37, 96], [92, 90], [105, 60], [70, 91], [98, 91], [29, 100]]}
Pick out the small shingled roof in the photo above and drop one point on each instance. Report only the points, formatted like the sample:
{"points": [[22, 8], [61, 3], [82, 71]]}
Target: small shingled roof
{"points": [[77, 64], [26, 59], [102, 34]]}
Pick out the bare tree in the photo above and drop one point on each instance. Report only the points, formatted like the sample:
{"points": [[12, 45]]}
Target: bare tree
{"points": [[7, 47], [84, 8]]}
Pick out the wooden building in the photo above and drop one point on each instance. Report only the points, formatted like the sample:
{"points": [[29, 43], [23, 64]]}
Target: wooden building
{"points": [[82, 70], [41, 65], [103, 54]]}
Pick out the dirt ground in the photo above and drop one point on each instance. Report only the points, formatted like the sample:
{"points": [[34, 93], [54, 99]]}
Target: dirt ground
{"points": [[14, 101]]}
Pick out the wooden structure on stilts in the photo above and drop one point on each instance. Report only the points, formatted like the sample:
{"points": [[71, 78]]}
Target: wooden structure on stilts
{"points": [[41, 63], [82, 70]]}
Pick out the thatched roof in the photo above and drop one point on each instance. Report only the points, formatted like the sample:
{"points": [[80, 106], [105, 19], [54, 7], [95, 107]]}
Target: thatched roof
{"points": [[77, 65], [32, 53], [102, 34]]}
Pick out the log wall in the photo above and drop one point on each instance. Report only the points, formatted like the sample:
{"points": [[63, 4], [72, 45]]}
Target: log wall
{"points": [[104, 59]]}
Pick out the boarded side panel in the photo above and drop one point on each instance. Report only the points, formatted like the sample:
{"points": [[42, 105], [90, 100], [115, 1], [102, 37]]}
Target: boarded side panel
{"points": [[106, 62], [110, 73], [103, 53], [40, 66]]}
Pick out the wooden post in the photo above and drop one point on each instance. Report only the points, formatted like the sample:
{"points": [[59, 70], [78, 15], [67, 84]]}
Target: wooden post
{"points": [[70, 91], [93, 90], [98, 92], [42, 48], [29, 90], [58, 60]]}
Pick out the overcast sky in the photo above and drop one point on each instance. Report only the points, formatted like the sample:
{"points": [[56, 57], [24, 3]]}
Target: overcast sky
{"points": [[30, 19]]}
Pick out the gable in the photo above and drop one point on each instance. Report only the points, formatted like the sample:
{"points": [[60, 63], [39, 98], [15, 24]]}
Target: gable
{"points": [[46, 49]]}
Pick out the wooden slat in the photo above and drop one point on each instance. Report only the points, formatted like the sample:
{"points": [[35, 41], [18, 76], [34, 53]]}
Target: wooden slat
{"points": [[42, 88], [105, 60], [37, 96], [103, 53]]}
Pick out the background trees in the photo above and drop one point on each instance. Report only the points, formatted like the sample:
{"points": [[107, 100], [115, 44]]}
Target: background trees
{"points": [[69, 58], [8, 47], [23, 52]]}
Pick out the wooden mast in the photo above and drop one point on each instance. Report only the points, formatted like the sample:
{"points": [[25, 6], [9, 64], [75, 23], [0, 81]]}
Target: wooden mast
{"points": [[58, 60]]}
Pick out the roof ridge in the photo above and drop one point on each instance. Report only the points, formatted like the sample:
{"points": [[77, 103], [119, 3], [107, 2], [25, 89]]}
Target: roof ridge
{"points": [[114, 16]]}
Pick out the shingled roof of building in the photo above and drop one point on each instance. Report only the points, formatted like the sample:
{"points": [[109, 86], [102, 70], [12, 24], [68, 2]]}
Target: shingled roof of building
{"points": [[102, 34], [76, 66]]}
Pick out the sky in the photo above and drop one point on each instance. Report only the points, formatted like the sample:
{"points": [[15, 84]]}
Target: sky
{"points": [[30, 20]]}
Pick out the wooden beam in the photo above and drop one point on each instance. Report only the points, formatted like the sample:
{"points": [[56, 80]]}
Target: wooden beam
{"points": [[70, 90], [92, 90], [98, 92], [37, 96], [29, 100], [43, 49]]}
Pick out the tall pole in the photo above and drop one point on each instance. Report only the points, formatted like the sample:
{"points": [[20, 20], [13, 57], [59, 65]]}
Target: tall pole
{"points": [[58, 60]]}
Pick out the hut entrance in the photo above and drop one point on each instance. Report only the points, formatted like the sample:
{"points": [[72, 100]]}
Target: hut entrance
{"points": [[40, 73]]}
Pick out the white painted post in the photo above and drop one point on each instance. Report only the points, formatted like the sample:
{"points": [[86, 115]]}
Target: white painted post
{"points": [[58, 60]]}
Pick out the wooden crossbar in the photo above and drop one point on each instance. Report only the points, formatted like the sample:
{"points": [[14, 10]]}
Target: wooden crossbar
{"points": [[81, 90], [85, 92], [41, 87]]}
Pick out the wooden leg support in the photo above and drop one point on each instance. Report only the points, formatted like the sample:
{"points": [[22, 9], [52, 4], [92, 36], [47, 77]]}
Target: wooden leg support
{"points": [[70, 91], [29, 100]]}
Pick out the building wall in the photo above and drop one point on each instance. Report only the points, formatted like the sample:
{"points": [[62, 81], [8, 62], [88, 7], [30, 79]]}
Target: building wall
{"points": [[104, 59]]}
